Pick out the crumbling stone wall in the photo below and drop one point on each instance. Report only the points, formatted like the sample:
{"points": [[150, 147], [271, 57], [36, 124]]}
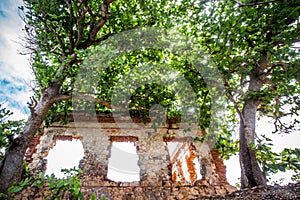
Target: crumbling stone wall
{"points": [[156, 178]]}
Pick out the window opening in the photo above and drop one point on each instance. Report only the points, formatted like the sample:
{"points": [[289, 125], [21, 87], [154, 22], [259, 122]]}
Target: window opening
{"points": [[123, 162], [65, 154], [185, 164]]}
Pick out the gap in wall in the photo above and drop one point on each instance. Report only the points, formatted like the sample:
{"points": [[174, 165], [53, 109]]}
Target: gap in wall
{"points": [[185, 164], [66, 154], [123, 162]]}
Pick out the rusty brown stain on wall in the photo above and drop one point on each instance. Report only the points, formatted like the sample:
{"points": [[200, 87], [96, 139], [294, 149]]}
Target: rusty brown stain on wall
{"points": [[191, 165], [65, 137], [220, 167], [32, 147], [180, 171], [123, 139]]}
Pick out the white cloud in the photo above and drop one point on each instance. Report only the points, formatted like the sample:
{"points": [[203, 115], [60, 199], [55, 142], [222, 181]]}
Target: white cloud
{"points": [[12, 63], [15, 69]]}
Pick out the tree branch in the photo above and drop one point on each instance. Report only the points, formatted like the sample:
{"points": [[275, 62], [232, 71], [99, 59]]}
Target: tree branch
{"points": [[90, 99], [236, 107], [273, 66], [80, 97], [80, 18], [104, 37], [252, 4], [93, 32], [60, 77], [230, 96], [71, 35], [32, 105], [53, 30]]}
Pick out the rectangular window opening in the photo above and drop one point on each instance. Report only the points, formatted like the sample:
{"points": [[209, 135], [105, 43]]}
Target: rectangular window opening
{"points": [[123, 161], [66, 153], [185, 163]]}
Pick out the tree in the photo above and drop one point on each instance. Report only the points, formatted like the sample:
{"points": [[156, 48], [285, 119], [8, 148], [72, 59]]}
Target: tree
{"points": [[252, 44], [252, 53], [9, 129], [59, 34]]}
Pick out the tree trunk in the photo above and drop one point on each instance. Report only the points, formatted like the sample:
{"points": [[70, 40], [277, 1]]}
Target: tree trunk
{"points": [[12, 164], [251, 174]]}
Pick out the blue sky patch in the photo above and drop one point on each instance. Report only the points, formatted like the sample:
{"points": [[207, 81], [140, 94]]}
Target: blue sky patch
{"points": [[2, 14], [9, 90], [4, 83], [3, 3], [8, 87]]}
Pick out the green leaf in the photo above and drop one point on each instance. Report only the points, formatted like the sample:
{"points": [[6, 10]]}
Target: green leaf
{"points": [[93, 197]]}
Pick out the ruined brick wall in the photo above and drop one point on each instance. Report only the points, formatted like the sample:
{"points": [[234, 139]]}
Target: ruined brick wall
{"points": [[157, 172]]}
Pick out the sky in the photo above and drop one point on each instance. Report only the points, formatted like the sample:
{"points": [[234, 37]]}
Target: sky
{"points": [[16, 78], [15, 72]]}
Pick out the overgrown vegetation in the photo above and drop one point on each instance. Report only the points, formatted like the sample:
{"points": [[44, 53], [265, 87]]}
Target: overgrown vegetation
{"points": [[251, 42], [271, 162], [53, 188]]}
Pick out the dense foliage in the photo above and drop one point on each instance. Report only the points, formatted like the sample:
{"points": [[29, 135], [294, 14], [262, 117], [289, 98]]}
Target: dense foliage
{"points": [[51, 187], [251, 42]]}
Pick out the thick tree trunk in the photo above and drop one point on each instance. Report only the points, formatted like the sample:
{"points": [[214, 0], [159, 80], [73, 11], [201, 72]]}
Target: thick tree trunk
{"points": [[12, 164], [251, 173]]}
